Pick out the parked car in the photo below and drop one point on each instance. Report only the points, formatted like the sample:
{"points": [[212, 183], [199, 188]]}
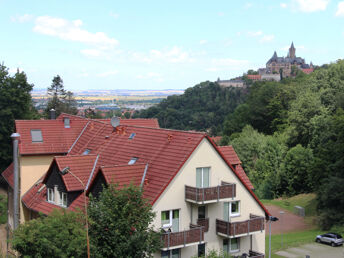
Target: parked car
{"points": [[330, 238]]}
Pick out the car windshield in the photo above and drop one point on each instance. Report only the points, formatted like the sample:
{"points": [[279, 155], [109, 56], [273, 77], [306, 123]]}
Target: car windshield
{"points": [[337, 235]]}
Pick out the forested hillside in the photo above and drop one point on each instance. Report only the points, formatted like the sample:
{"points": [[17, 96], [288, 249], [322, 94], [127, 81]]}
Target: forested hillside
{"points": [[202, 107], [290, 138]]}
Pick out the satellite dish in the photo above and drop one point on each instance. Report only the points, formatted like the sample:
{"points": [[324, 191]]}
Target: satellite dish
{"points": [[115, 121]]}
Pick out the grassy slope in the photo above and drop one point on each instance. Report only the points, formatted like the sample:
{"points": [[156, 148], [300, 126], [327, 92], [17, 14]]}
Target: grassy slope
{"points": [[296, 238]]}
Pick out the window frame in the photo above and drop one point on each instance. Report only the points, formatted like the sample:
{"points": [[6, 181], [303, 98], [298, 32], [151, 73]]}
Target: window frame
{"points": [[202, 176], [170, 224], [50, 195], [63, 199], [229, 245], [133, 160], [34, 132]]}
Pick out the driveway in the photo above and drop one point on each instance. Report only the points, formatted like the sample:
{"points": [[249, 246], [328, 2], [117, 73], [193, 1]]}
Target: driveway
{"points": [[314, 250]]}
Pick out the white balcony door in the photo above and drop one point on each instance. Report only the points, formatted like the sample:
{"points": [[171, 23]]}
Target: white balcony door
{"points": [[170, 220], [202, 177]]}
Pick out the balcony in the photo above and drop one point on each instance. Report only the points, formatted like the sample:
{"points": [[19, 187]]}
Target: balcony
{"points": [[209, 194], [254, 254], [203, 223], [193, 236], [235, 229]]}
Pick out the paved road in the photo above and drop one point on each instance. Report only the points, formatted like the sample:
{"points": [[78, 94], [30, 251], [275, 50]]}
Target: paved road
{"points": [[315, 250]]}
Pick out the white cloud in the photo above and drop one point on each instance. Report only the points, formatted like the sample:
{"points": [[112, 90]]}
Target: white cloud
{"points": [[248, 5], [267, 38], [224, 64], [92, 52], [254, 33], [107, 73], [309, 6], [283, 5], [203, 41], [220, 14], [340, 10], [22, 18], [72, 31]]}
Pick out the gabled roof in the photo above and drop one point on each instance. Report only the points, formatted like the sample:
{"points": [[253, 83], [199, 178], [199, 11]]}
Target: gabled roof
{"points": [[230, 154], [122, 174], [145, 122], [56, 138], [79, 166], [8, 175]]}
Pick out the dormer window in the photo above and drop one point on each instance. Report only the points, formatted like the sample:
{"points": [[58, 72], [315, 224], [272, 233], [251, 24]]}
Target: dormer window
{"points": [[36, 135], [50, 195], [132, 136], [66, 121], [132, 161], [63, 199], [86, 152]]}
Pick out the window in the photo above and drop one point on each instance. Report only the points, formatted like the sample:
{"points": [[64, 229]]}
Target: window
{"points": [[66, 121], [63, 199], [201, 212], [175, 253], [36, 136], [170, 220], [132, 136], [231, 209], [202, 177], [201, 250], [231, 245], [50, 195], [132, 161], [86, 152]]}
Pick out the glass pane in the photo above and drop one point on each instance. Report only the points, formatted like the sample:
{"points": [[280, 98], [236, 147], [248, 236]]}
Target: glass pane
{"points": [[165, 218], [198, 177], [176, 214], [234, 244], [175, 253], [235, 207], [201, 212], [165, 254], [225, 246], [205, 177], [226, 211], [201, 250], [175, 225]]}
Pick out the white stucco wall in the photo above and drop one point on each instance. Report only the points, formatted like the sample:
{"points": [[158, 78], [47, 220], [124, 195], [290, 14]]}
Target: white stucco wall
{"points": [[174, 198]]}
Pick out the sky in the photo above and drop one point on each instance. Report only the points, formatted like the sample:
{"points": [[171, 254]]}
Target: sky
{"points": [[157, 45]]}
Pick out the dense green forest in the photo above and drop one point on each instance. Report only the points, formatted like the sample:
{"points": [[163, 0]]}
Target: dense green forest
{"points": [[202, 107], [289, 134]]}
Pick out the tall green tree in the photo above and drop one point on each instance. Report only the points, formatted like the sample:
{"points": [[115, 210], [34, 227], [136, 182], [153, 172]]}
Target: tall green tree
{"points": [[15, 103], [61, 234], [60, 100], [120, 220]]}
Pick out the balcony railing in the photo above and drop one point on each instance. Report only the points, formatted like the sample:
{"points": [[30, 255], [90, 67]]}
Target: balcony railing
{"points": [[255, 223], [204, 223], [193, 236], [209, 194], [254, 254]]}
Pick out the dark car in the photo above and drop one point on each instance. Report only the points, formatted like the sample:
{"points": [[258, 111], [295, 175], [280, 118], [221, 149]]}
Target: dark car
{"points": [[330, 238]]}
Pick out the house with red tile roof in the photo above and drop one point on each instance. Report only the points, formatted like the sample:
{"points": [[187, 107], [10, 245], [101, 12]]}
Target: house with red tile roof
{"points": [[201, 197]]}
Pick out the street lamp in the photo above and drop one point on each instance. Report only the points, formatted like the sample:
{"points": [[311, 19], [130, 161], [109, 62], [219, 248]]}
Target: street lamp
{"points": [[271, 218], [65, 171], [281, 212]]}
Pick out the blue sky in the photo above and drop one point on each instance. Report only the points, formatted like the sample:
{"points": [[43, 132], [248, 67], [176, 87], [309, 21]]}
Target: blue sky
{"points": [[162, 44]]}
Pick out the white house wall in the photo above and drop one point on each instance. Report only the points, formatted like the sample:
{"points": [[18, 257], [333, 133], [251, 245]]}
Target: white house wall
{"points": [[174, 198]]}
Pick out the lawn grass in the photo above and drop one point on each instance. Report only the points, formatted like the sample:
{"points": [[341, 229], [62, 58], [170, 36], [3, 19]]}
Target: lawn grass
{"points": [[307, 201]]}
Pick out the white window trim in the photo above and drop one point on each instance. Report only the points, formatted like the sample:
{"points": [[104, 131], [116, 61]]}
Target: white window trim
{"points": [[202, 176], [164, 226], [230, 245], [50, 195], [61, 197], [236, 214]]}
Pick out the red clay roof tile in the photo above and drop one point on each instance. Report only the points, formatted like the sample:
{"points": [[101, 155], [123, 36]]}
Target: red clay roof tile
{"points": [[8, 175]]}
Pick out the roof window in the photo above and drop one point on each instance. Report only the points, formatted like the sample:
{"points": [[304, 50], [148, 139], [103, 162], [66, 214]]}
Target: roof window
{"points": [[132, 136], [86, 152], [66, 121], [132, 161], [36, 135]]}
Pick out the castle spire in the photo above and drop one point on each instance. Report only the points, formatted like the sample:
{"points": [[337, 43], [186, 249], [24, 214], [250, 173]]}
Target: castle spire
{"points": [[292, 50]]}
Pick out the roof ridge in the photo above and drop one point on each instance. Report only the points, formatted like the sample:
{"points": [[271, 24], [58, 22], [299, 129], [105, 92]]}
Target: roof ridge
{"points": [[123, 165], [76, 155], [167, 129]]}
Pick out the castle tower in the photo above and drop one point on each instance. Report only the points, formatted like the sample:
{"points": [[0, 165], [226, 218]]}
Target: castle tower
{"points": [[292, 51]]}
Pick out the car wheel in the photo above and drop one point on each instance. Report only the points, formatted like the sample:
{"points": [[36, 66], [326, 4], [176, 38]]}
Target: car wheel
{"points": [[332, 244], [317, 240]]}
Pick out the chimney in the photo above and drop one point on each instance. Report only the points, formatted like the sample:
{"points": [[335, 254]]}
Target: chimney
{"points": [[16, 171], [52, 114]]}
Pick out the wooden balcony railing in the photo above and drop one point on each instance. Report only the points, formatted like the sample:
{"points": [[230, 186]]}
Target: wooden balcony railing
{"points": [[204, 223], [210, 194], [255, 223], [194, 235], [254, 254]]}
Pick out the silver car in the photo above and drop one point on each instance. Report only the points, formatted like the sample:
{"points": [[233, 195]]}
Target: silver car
{"points": [[330, 238]]}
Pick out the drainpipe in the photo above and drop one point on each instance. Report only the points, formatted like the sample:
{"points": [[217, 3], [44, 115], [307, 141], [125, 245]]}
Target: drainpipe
{"points": [[16, 169]]}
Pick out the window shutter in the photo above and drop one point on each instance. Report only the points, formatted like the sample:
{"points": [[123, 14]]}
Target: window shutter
{"points": [[198, 177], [226, 211]]}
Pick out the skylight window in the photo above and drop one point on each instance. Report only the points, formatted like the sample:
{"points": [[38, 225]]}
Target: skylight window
{"points": [[132, 136], [66, 121], [36, 135], [132, 161], [86, 152]]}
